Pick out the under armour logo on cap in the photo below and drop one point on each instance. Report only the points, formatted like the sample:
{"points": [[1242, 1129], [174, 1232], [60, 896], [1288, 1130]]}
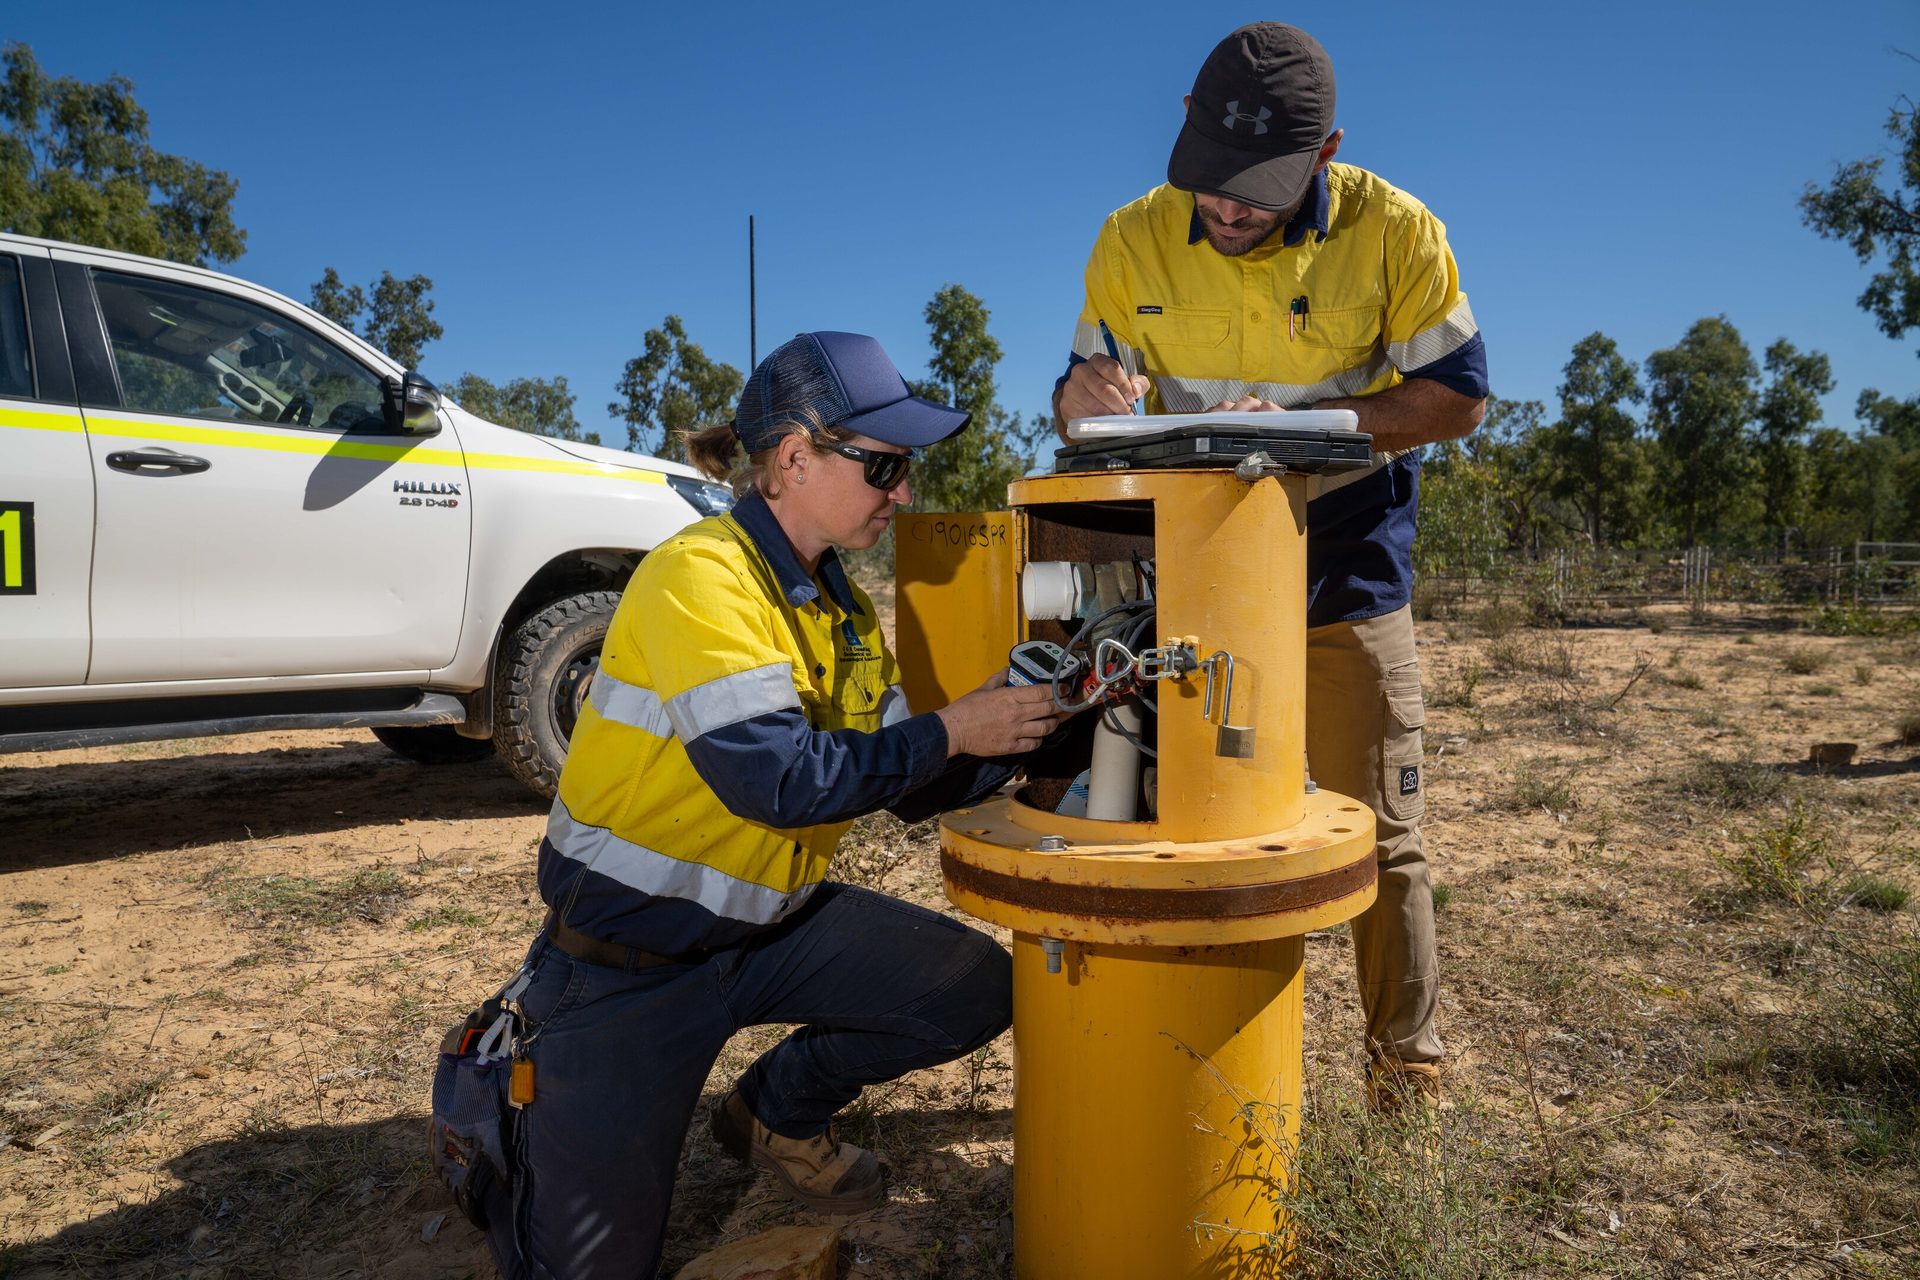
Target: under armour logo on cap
{"points": [[1259, 122]]}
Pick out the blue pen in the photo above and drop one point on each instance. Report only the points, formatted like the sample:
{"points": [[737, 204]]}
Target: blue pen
{"points": [[1113, 349]]}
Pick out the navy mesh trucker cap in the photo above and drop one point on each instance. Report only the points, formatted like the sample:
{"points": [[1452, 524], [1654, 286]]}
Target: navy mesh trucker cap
{"points": [[845, 379]]}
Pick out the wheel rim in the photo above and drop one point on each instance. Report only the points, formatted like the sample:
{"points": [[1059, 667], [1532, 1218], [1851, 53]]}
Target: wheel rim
{"points": [[570, 690]]}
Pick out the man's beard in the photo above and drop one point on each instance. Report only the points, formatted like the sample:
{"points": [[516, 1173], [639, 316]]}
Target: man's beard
{"points": [[1238, 246]]}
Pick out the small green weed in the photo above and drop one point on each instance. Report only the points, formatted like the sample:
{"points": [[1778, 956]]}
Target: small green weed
{"points": [[1687, 680], [446, 916], [1442, 895], [1538, 788], [31, 909], [1876, 893], [373, 894], [1907, 730], [1785, 861], [1459, 691], [1744, 783], [1804, 662], [1823, 691]]}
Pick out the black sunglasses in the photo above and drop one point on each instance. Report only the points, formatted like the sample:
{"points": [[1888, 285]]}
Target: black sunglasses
{"points": [[882, 468]]}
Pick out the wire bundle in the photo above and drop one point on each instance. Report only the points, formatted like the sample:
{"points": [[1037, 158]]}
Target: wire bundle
{"points": [[1109, 646]]}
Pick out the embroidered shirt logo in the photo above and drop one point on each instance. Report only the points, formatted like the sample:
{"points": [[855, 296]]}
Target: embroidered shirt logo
{"points": [[855, 648], [1146, 311], [1257, 120]]}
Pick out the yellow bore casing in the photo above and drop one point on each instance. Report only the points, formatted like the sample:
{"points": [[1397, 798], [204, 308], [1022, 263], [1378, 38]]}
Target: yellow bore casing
{"points": [[1157, 1073]]}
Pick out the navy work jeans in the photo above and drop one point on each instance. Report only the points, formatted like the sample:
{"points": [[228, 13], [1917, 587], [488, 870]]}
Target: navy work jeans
{"points": [[882, 988]]}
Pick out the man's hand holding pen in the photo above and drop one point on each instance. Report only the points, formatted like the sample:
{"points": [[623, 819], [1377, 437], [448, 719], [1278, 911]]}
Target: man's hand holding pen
{"points": [[1099, 387]]}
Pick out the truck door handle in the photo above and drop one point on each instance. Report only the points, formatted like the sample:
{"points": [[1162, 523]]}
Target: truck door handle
{"points": [[151, 462]]}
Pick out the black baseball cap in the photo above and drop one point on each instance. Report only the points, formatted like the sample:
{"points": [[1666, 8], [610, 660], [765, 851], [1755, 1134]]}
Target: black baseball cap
{"points": [[1262, 107], [838, 380]]}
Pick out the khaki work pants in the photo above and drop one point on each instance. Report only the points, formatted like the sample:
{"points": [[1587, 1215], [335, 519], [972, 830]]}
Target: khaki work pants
{"points": [[1364, 714]]}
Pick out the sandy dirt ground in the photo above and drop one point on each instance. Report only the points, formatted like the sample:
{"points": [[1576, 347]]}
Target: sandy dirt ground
{"points": [[225, 966]]}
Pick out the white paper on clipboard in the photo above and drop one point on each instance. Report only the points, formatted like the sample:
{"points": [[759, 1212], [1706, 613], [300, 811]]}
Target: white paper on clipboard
{"points": [[1113, 427]]}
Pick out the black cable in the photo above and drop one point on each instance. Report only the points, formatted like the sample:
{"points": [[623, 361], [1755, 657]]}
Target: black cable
{"points": [[1113, 723]]}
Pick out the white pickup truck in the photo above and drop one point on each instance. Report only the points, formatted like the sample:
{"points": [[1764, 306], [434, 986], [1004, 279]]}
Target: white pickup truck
{"points": [[222, 513]]}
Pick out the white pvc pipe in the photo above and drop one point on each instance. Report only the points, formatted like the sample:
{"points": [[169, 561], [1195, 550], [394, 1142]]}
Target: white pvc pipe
{"points": [[1050, 590], [1114, 788]]}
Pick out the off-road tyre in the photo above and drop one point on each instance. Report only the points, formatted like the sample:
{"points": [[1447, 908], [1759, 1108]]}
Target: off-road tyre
{"points": [[545, 664], [433, 744]]}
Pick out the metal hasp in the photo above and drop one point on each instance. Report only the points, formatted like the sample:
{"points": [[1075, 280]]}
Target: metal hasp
{"points": [[1157, 964]]}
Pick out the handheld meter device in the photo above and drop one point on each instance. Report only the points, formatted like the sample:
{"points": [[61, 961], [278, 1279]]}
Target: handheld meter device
{"points": [[1040, 662]]}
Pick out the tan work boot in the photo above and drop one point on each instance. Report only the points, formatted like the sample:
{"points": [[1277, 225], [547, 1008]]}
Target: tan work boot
{"points": [[1394, 1088], [821, 1172]]}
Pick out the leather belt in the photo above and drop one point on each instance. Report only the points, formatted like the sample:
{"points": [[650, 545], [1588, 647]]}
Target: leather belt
{"points": [[611, 955]]}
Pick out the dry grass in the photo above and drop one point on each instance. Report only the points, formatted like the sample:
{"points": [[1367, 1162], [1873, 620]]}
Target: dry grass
{"points": [[1681, 995]]}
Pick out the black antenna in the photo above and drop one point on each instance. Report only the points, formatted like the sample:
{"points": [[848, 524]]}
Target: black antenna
{"points": [[753, 306]]}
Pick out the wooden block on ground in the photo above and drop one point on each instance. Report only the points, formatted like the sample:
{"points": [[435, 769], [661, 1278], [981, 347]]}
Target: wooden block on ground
{"points": [[784, 1253]]}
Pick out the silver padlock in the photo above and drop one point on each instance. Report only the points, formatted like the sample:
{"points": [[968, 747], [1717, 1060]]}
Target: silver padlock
{"points": [[1233, 741]]}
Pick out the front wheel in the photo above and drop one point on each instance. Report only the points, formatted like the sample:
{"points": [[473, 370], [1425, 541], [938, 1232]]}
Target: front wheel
{"points": [[546, 665]]}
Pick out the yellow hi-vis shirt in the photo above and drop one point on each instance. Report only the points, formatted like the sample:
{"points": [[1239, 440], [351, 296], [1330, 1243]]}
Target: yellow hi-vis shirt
{"points": [[725, 670], [1356, 294], [1347, 312]]}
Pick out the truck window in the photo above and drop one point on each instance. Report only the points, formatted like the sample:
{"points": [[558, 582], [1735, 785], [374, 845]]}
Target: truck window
{"points": [[16, 359], [192, 352]]}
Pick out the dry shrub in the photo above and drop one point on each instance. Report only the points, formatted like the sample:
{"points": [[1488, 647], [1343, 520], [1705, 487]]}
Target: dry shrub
{"points": [[1804, 661]]}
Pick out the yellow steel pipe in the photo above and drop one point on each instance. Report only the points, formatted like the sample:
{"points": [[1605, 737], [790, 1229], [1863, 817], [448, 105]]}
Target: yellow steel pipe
{"points": [[1157, 964], [1157, 1096]]}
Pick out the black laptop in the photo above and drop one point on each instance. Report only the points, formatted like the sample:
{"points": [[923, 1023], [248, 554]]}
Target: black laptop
{"points": [[1216, 440]]}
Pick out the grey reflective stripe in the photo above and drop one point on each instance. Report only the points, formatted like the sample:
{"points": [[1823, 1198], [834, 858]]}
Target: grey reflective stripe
{"points": [[731, 699], [1436, 343], [1197, 395], [893, 706], [629, 704], [654, 873], [1088, 343]]}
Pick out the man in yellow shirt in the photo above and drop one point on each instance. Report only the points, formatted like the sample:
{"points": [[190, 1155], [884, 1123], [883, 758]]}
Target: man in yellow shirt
{"points": [[1264, 276]]}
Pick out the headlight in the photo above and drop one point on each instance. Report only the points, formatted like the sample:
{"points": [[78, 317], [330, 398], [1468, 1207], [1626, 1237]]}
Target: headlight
{"points": [[708, 498]]}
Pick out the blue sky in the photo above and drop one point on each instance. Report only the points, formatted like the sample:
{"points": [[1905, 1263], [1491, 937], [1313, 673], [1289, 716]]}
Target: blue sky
{"points": [[568, 175]]}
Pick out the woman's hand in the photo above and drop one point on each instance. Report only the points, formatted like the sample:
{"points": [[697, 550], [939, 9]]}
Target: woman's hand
{"points": [[999, 719]]}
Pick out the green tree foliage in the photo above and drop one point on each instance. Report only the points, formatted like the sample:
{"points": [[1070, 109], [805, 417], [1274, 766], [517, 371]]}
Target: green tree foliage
{"points": [[969, 471], [395, 316], [1874, 220], [1593, 451], [1511, 443], [1789, 408], [1861, 486], [75, 164], [1899, 419], [1463, 530], [542, 406], [673, 387], [1701, 393]]}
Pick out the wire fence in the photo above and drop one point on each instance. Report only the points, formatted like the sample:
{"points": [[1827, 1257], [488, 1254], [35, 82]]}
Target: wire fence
{"points": [[1565, 579]]}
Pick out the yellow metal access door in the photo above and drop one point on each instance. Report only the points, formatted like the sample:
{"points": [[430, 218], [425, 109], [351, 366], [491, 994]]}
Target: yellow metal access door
{"points": [[955, 602]]}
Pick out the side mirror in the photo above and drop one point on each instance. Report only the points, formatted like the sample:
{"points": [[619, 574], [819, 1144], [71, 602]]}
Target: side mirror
{"points": [[411, 405]]}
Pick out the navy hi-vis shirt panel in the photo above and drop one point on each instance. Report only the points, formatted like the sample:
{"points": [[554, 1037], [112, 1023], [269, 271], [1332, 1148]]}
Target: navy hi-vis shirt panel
{"points": [[739, 721], [1358, 293]]}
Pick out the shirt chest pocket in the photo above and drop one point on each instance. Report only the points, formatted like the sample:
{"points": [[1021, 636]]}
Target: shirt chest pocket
{"points": [[847, 696], [1183, 327], [1342, 329]]}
